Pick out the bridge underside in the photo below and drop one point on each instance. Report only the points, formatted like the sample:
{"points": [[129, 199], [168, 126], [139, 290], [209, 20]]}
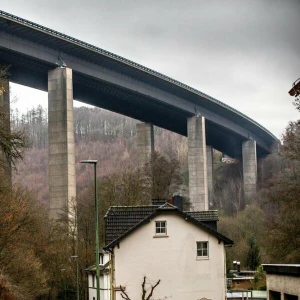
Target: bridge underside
{"points": [[31, 72], [103, 79]]}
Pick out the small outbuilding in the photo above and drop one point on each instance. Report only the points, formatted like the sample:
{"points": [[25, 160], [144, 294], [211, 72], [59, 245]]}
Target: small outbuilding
{"points": [[283, 281]]}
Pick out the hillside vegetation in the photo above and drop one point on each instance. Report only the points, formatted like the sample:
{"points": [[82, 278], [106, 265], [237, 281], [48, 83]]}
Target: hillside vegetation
{"points": [[99, 134]]}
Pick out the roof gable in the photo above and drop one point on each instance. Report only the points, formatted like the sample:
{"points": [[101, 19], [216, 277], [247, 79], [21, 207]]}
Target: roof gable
{"points": [[121, 221], [167, 206]]}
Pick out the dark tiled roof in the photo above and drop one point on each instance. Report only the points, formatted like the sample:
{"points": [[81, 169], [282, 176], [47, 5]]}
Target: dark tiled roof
{"points": [[119, 219], [283, 269], [202, 216], [122, 220]]}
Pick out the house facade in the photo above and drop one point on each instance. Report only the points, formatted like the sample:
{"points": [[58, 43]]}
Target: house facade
{"points": [[181, 251]]}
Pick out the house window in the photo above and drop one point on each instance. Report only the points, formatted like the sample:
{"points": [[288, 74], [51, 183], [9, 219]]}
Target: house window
{"points": [[161, 228], [202, 249], [100, 259]]}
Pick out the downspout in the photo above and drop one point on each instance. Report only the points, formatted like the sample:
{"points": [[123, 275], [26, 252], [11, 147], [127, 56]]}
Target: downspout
{"points": [[111, 264]]}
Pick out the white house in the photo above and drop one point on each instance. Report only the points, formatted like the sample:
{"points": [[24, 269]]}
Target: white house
{"points": [[181, 250]]}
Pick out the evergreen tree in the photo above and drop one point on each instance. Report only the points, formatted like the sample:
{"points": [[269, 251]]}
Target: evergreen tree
{"points": [[253, 255]]}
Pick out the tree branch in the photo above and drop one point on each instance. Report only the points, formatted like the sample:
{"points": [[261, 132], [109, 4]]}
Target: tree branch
{"points": [[124, 294], [143, 288], [152, 289]]}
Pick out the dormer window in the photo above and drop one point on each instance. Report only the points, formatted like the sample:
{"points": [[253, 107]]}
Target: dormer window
{"points": [[161, 228]]}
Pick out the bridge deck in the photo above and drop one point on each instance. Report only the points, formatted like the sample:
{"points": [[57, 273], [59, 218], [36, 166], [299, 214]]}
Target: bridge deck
{"points": [[109, 81]]}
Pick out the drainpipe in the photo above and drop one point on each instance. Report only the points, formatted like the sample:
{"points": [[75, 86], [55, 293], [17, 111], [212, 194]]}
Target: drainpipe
{"points": [[111, 263]]}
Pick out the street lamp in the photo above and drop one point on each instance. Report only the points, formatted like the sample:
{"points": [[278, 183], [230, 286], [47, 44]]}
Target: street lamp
{"points": [[94, 162], [77, 283]]}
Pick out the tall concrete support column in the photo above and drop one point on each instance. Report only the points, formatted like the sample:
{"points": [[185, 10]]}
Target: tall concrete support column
{"points": [[5, 166], [145, 142], [210, 179], [249, 168], [62, 183], [197, 163]]}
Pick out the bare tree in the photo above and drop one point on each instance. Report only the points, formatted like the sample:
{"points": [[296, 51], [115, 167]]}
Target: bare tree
{"points": [[163, 176], [150, 291], [12, 144]]}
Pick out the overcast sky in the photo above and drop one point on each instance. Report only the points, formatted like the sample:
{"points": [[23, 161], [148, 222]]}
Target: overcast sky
{"points": [[245, 53]]}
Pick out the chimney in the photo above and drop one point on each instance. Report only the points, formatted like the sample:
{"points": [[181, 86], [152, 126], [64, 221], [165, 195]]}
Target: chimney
{"points": [[238, 266], [234, 265], [177, 201]]}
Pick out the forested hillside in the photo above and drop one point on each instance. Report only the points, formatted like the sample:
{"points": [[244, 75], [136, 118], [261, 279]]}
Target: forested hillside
{"points": [[99, 134]]}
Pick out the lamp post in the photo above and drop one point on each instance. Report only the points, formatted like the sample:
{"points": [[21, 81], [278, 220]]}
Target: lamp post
{"points": [[77, 282], [94, 162]]}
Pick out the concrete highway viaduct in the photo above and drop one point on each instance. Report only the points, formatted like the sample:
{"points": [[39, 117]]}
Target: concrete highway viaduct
{"points": [[68, 68]]}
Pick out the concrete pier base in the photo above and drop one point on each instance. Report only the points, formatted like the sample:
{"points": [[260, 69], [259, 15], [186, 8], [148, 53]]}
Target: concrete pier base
{"points": [[249, 168], [62, 183], [145, 142], [210, 179], [197, 163], [5, 166]]}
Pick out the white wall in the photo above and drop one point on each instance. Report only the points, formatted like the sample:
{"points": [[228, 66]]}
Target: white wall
{"points": [[92, 290], [104, 287], [171, 259]]}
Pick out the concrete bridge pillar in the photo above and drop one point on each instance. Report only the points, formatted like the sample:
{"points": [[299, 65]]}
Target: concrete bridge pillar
{"points": [[62, 183], [210, 179], [197, 163], [145, 142], [249, 168], [5, 166]]}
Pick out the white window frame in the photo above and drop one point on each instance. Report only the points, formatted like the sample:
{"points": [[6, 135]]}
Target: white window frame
{"points": [[201, 250], [160, 227]]}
